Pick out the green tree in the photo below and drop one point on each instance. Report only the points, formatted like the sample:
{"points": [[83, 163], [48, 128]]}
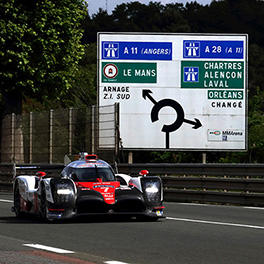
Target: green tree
{"points": [[83, 90], [228, 16], [137, 17], [40, 47]]}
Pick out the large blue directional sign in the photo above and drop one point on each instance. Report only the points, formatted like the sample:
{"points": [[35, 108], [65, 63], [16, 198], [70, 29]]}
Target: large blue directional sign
{"points": [[211, 49], [119, 50]]}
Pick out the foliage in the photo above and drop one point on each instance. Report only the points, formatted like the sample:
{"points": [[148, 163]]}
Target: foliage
{"points": [[84, 86], [137, 17], [40, 46]]}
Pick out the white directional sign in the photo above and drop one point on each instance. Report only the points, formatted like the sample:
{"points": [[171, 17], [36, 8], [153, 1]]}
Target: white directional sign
{"points": [[176, 91]]}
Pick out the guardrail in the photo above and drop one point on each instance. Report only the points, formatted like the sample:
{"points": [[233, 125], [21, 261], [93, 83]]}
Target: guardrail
{"points": [[215, 190], [209, 169], [6, 175], [207, 183], [9, 170]]}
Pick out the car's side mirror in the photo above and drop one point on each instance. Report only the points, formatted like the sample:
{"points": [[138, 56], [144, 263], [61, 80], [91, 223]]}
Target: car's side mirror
{"points": [[143, 172], [41, 174]]}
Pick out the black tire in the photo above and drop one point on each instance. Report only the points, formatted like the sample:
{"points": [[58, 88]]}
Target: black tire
{"points": [[17, 200], [43, 205]]}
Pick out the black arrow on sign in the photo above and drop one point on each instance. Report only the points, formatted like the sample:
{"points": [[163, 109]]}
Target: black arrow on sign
{"points": [[146, 93], [196, 123], [177, 107]]}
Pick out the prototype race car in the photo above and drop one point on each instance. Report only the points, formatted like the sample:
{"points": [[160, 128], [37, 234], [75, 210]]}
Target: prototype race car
{"points": [[85, 187]]}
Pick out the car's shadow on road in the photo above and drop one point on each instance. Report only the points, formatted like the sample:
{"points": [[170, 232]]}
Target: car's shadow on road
{"points": [[22, 220], [81, 219]]}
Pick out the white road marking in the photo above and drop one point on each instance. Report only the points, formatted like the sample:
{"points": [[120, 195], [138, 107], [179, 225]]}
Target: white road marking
{"points": [[254, 208], [47, 248], [217, 205], [114, 262], [214, 223], [196, 204], [6, 201]]}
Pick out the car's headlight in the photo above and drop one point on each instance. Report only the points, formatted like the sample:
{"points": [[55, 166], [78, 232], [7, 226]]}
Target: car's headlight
{"points": [[152, 188], [64, 191]]}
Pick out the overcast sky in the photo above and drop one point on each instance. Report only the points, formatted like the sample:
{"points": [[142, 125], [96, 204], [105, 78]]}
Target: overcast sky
{"points": [[94, 5]]}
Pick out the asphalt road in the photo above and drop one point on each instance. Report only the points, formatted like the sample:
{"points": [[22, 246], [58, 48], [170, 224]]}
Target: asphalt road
{"points": [[190, 234]]}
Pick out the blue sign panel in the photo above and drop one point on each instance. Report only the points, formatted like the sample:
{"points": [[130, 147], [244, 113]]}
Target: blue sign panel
{"points": [[191, 74], [210, 49], [117, 50]]}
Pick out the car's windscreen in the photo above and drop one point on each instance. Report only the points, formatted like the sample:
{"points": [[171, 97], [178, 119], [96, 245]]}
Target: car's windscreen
{"points": [[92, 174]]}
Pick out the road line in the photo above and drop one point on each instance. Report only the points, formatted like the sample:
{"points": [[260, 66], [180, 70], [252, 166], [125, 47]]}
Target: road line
{"points": [[114, 262], [214, 223], [47, 248], [6, 201], [58, 257], [254, 208], [196, 204], [217, 205]]}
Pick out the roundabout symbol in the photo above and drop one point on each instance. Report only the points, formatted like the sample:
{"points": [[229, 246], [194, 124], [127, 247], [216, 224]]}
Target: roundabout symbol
{"points": [[179, 111]]}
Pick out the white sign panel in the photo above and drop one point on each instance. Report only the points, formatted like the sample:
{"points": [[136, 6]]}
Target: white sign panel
{"points": [[176, 91]]}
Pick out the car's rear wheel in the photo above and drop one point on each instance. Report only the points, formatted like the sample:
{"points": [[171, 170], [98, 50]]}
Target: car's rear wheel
{"points": [[17, 201], [43, 205]]}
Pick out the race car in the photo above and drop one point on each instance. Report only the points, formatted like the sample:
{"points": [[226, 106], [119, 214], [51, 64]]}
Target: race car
{"points": [[88, 186]]}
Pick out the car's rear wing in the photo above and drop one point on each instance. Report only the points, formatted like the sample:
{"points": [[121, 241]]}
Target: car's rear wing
{"points": [[32, 169]]}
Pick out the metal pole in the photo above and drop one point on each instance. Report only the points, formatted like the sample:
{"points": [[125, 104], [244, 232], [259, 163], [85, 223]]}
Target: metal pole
{"points": [[30, 136], [93, 129], [21, 157], [50, 137], [130, 157], [70, 131], [116, 130], [13, 137], [204, 158]]}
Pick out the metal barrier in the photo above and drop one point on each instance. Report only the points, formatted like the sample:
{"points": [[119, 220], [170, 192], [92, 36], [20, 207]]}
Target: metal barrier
{"points": [[218, 190], [6, 176], [9, 170], [207, 183], [241, 184], [209, 169]]}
